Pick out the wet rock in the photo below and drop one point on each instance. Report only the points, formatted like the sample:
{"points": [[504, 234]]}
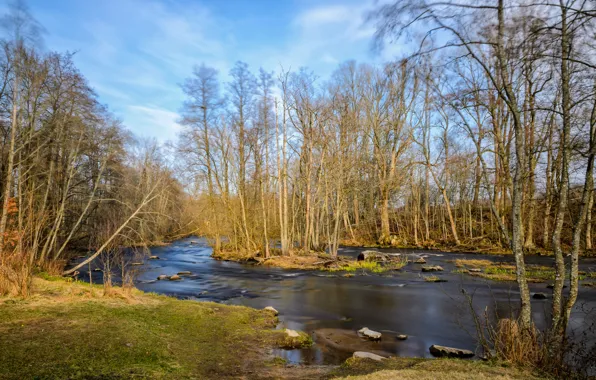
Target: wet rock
{"points": [[292, 333], [135, 264], [162, 277], [375, 256], [153, 257], [367, 355], [432, 268], [372, 256], [539, 296], [175, 277], [369, 334], [193, 242], [443, 351], [349, 341], [272, 309], [402, 337], [420, 261], [97, 270], [474, 270], [184, 273]]}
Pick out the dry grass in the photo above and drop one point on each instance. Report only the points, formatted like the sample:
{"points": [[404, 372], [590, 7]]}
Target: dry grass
{"points": [[473, 263], [15, 275], [517, 346], [498, 271], [310, 262]]}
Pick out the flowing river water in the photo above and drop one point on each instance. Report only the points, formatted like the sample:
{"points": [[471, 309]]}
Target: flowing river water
{"points": [[328, 304]]}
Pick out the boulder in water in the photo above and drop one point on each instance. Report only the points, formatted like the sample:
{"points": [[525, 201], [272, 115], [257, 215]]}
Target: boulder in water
{"points": [[162, 277], [153, 257], [367, 355], [450, 352], [272, 310], [420, 261], [184, 273], [431, 268], [402, 337], [539, 296], [369, 334], [175, 277]]}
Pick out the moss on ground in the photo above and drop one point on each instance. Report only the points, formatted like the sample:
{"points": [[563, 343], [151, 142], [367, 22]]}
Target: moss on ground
{"points": [[71, 330]]}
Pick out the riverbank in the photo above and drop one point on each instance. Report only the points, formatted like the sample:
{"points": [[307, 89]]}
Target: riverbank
{"points": [[377, 262], [314, 261], [74, 330]]}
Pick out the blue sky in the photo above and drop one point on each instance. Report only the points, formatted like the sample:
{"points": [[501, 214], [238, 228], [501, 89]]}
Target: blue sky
{"points": [[135, 53]]}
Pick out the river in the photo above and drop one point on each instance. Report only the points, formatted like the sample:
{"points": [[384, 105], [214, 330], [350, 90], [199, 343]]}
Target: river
{"points": [[400, 302]]}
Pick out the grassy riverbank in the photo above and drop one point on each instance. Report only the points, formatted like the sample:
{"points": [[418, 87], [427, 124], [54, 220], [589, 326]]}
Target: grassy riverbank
{"points": [[74, 330]]}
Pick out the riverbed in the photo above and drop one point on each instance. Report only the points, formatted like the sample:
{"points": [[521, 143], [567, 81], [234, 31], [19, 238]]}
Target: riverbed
{"points": [[324, 303]]}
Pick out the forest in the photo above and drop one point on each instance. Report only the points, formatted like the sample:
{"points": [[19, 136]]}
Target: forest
{"points": [[480, 136]]}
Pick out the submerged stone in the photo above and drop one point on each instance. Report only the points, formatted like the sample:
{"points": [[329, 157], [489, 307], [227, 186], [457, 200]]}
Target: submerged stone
{"points": [[432, 268], [367, 355]]}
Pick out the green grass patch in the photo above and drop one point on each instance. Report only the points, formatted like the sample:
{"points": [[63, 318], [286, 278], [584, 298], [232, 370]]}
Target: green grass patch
{"points": [[71, 330], [369, 266]]}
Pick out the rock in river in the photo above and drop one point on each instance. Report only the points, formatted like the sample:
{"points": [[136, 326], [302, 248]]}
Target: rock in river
{"points": [[153, 257], [271, 309], [539, 296], [442, 351], [183, 273], [402, 337], [175, 277], [420, 261], [162, 277], [367, 355], [431, 268], [369, 334]]}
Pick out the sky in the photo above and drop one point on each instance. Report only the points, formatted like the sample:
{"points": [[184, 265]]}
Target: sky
{"points": [[135, 53]]}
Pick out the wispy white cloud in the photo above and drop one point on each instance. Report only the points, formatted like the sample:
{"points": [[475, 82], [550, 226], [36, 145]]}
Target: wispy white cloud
{"points": [[155, 121]]}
